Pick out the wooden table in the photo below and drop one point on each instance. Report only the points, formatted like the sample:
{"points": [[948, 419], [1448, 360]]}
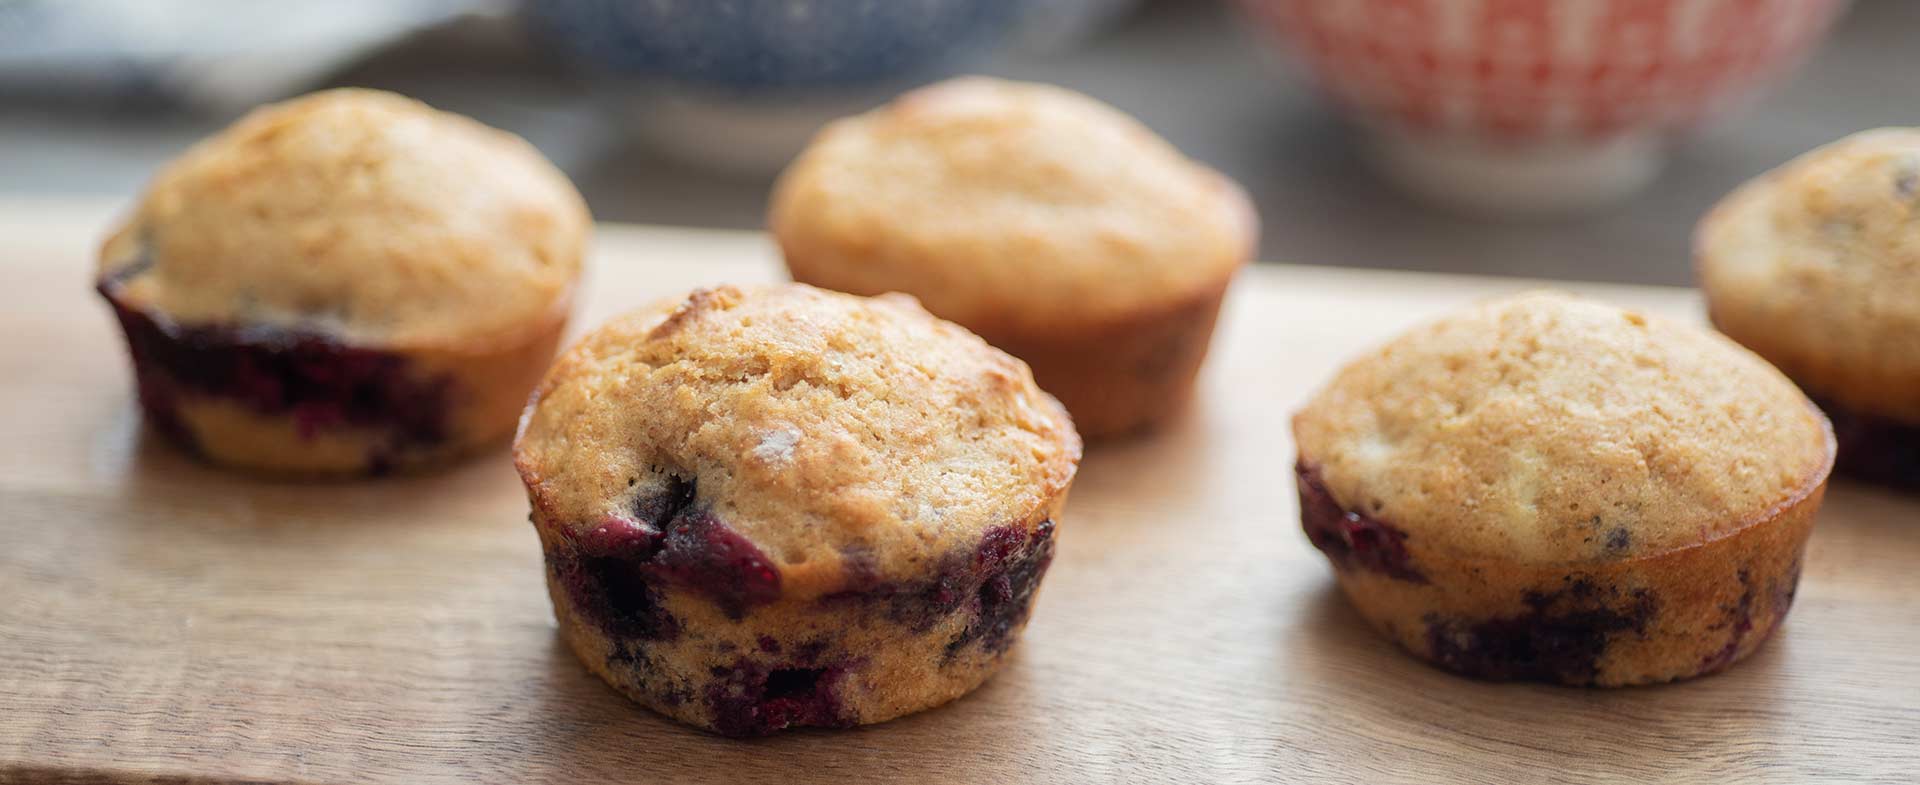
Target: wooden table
{"points": [[160, 619]]}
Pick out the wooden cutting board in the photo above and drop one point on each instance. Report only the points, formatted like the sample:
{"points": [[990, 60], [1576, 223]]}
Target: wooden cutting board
{"points": [[160, 619]]}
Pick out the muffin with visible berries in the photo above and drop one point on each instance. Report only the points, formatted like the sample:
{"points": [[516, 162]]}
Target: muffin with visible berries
{"points": [[1051, 224], [1549, 489], [1816, 267], [346, 283], [777, 507]]}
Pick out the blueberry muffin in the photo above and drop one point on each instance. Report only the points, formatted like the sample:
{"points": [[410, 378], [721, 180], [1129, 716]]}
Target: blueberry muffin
{"points": [[766, 508], [1551, 489], [1051, 224], [1816, 267], [346, 283]]}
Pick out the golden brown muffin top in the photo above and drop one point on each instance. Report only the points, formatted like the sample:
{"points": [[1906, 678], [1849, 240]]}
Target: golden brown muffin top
{"points": [[826, 429], [1547, 429], [359, 212], [1817, 264], [1018, 204]]}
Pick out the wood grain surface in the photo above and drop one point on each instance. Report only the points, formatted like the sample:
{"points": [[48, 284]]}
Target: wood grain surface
{"points": [[163, 620]]}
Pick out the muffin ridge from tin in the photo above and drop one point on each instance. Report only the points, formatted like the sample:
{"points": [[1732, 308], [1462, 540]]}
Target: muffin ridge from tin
{"points": [[774, 507]]}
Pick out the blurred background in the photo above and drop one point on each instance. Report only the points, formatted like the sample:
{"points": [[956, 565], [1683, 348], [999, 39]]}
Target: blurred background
{"points": [[1573, 139]]}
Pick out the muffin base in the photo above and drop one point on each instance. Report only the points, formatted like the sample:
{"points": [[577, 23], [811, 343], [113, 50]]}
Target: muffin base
{"points": [[703, 634], [1124, 378], [1875, 449], [1642, 620], [300, 403]]}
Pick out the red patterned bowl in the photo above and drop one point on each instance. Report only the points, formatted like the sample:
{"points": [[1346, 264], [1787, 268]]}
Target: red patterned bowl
{"points": [[1537, 104]]}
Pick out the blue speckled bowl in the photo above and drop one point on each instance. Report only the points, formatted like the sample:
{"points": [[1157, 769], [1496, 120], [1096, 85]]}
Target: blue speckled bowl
{"points": [[776, 45], [740, 85]]}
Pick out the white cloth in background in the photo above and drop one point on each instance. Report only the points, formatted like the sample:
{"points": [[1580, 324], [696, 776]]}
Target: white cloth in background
{"points": [[220, 54]]}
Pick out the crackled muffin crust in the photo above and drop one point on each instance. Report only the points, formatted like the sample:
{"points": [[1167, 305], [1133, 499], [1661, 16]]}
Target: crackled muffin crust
{"points": [[1554, 489], [345, 282], [1053, 225], [1816, 267], [780, 506]]}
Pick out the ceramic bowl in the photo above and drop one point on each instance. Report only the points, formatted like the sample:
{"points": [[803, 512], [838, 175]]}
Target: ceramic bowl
{"points": [[741, 84], [1536, 105]]}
